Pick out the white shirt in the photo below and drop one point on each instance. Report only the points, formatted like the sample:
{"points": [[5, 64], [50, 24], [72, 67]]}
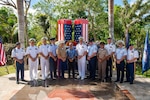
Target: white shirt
{"points": [[18, 53], [120, 52], [110, 48], [52, 48], [81, 48], [92, 49], [131, 54], [32, 50], [44, 49]]}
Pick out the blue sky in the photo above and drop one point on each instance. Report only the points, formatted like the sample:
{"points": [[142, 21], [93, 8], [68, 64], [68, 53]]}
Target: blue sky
{"points": [[34, 2], [118, 2]]}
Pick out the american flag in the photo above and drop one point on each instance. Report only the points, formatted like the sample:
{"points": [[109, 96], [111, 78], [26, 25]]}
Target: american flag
{"points": [[2, 54], [81, 29], [64, 29]]}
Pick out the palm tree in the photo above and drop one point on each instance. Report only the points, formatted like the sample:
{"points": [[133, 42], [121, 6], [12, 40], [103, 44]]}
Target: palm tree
{"points": [[111, 18], [134, 13], [21, 22]]}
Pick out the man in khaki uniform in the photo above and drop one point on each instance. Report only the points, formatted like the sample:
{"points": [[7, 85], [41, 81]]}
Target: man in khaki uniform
{"points": [[62, 55], [102, 58]]}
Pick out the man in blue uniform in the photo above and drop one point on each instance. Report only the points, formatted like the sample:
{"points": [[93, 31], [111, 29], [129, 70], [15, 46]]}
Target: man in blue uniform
{"points": [[53, 58], [18, 54], [92, 52], [132, 56], [120, 56]]}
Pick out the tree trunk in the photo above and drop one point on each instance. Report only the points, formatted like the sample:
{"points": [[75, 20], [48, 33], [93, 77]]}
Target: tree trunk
{"points": [[111, 18], [26, 31], [21, 22]]}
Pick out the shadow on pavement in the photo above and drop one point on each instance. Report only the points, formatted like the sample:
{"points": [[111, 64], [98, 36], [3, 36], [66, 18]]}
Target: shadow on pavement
{"points": [[75, 87]]}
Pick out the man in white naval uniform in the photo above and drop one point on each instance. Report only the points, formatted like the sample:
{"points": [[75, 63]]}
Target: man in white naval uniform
{"points": [[32, 54], [81, 51], [44, 60], [110, 47]]}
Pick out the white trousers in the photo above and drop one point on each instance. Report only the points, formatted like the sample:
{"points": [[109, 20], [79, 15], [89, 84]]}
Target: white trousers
{"points": [[33, 68], [82, 67], [44, 67]]}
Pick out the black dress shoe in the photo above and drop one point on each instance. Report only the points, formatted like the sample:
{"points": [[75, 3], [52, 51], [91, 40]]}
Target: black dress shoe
{"points": [[126, 81], [121, 81], [131, 82], [116, 80], [17, 82], [24, 80], [103, 80]]}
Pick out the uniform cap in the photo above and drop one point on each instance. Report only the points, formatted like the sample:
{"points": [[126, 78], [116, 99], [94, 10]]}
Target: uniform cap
{"points": [[130, 44], [80, 38], [32, 39], [44, 38], [91, 40], [17, 43], [109, 38], [52, 39]]}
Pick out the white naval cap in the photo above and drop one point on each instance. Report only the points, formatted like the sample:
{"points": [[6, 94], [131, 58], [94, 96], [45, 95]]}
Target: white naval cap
{"points": [[32, 39], [44, 38], [80, 38]]}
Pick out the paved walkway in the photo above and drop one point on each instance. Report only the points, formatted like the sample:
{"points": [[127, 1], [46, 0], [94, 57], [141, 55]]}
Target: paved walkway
{"points": [[9, 90], [140, 90]]}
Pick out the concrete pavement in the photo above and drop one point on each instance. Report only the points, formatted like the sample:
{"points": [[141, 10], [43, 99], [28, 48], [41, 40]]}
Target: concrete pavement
{"points": [[140, 90], [9, 90]]}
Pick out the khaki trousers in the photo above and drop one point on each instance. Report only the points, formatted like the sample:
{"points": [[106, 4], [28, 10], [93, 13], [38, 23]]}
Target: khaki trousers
{"points": [[102, 70]]}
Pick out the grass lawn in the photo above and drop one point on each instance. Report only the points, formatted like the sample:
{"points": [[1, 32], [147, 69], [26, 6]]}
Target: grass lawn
{"points": [[11, 69], [3, 70], [139, 71]]}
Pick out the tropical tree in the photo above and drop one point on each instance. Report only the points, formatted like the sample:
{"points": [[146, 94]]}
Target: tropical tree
{"points": [[118, 27], [46, 16], [8, 24], [19, 5], [93, 10], [43, 21], [134, 13]]}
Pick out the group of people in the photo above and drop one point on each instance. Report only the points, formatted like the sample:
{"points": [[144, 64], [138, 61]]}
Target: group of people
{"points": [[55, 59]]}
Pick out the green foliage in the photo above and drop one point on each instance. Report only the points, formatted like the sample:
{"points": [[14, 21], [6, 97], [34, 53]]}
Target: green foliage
{"points": [[43, 21], [131, 19], [134, 13], [45, 17], [93, 10], [118, 27], [8, 25], [139, 71]]}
